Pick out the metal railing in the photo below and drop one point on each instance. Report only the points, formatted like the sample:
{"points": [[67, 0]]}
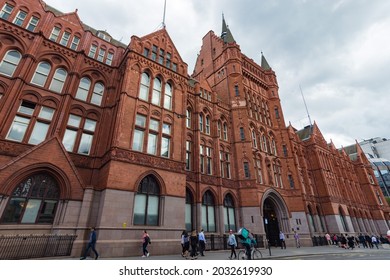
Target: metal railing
{"points": [[14, 247], [319, 241]]}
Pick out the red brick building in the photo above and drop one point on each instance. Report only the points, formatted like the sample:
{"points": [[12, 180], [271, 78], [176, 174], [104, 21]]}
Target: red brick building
{"points": [[94, 132]]}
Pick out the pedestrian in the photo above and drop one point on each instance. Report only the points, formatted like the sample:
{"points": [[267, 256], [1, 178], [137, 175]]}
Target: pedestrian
{"points": [[91, 244], [335, 240], [296, 237], [202, 242], [194, 244], [185, 243], [145, 242], [232, 242], [328, 239], [362, 240], [282, 240], [351, 242], [343, 241], [374, 241]]}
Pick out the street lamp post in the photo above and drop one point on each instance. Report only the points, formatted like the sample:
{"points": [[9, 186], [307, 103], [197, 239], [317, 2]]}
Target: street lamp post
{"points": [[266, 235]]}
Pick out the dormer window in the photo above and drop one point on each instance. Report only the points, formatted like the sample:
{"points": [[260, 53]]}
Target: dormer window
{"points": [[104, 36]]}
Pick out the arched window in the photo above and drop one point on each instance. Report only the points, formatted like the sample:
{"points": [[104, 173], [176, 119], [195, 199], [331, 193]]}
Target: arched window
{"points": [[225, 132], [168, 97], [254, 140], [189, 118], [41, 73], [10, 62], [58, 80], [156, 96], [144, 87], [94, 97], [208, 212], [311, 219], [228, 213], [188, 210], [97, 94], [207, 126], [201, 122], [83, 89], [33, 201], [146, 206]]}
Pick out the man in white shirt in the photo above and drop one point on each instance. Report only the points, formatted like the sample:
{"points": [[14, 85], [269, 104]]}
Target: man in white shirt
{"points": [[202, 242]]}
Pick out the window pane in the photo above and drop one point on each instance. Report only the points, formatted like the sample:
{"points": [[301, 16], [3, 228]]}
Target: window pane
{"points": [[39, 133], [232, 220], [140, 121], [9, 63], [47, 212], [138, 140], [74, 121], [204, 217], [211, 218], [69, 139], [225, 218], [152, 218], [156, 97], [154, 124], [85, 144], [14, 209], [90, 125], [33, 23], [32, 208], [139, 209], [165, 147], [18, 128], [58, 80], [166, 128], [152, 144], [144, 88], [82, 91], [97, 94], [46, 113], [41, 74]]}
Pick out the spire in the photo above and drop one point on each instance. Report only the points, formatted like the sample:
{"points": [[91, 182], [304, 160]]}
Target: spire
{"points": [[226, 35], [264, 63]]}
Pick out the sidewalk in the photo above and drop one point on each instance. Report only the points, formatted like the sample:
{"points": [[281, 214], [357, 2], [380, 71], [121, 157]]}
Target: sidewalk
{"points": [[276, 253]]}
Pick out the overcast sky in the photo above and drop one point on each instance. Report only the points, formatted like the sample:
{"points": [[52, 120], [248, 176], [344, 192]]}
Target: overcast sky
{"points": [[337, 52]]}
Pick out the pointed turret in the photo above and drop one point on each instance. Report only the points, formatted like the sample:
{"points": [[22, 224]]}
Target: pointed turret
{"points": [[226, 35], [264, 63]]}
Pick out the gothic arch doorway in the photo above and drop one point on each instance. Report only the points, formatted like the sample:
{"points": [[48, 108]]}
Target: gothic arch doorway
{"points": [[275, 216]]}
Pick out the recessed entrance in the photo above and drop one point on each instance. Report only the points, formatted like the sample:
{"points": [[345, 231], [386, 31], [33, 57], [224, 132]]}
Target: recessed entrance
{"points": [[271, 224]]}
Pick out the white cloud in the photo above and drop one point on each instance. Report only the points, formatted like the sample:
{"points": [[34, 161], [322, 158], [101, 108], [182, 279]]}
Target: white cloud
{"points": [[337, 51]]}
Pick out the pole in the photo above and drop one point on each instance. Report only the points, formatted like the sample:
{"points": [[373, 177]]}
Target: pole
{"points": [[266, 235]]}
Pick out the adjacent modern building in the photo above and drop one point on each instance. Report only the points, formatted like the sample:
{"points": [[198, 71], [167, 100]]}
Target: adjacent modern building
{"points": [[377, 151], [94, 132]]}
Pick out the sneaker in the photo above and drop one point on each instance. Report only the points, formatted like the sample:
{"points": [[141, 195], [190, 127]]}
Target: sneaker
{"points": [[230, 258], [147, 254], [143, 256], [97, 256]]}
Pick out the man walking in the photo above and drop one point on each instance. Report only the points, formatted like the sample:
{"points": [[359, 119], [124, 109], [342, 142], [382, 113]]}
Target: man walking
{"points": [[202, 242], [91, 244]]}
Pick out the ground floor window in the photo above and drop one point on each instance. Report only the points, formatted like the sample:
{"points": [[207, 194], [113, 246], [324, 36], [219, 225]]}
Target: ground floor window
{"points": [[33, 201]]}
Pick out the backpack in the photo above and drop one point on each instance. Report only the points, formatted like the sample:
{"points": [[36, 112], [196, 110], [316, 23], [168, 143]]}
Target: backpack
{"points": [[147, 239]]}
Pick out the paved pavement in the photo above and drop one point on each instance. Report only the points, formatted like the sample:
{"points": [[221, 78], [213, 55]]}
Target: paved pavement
{"points": [[276, 253]]}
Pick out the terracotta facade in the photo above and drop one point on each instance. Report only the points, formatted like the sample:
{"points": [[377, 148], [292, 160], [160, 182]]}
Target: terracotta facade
{"points": [[94, 132]]}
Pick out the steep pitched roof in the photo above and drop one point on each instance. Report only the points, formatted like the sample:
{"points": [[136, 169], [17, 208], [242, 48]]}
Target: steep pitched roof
{"points": [[264, 63], [226, 35]]}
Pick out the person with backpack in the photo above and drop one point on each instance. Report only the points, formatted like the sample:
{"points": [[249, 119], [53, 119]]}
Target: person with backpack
{"points": [[145, 242]]}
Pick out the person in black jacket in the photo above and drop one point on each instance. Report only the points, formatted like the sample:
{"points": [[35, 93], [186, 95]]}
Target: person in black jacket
{"points": [[194, 244], [91, 244]]}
